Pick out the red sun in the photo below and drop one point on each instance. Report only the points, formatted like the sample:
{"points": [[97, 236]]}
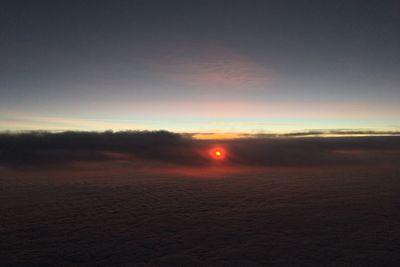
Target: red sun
{"points": [[217, 153]]}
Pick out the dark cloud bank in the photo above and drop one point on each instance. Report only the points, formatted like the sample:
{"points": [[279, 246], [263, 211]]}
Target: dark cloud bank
{"points": [[107, 213], [46, 149]]}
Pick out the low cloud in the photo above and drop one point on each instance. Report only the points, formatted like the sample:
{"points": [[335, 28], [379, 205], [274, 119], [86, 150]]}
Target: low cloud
{"points": [[35, 149]]}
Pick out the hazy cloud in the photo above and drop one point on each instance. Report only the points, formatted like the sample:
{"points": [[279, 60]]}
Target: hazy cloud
{"points": [[214, 67]]}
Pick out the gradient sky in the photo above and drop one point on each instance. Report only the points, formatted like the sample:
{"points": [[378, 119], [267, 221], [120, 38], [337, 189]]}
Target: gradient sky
{"points": [[200, 66]]}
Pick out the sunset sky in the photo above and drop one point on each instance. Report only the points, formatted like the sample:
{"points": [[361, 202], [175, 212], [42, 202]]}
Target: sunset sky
{"points": [[200, 66]]}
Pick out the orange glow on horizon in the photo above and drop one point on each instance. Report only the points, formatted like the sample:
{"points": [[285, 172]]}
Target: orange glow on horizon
{"points": [[217, 136], [218, 153]]}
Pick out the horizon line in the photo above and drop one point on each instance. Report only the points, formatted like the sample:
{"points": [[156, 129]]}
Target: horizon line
{"points": [[230, 135]]}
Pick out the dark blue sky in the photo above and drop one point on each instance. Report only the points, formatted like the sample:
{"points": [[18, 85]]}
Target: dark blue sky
{"points": [[199, 65]]}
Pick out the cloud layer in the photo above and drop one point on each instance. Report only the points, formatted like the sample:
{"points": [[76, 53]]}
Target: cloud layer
{"points": [[44, 148]]}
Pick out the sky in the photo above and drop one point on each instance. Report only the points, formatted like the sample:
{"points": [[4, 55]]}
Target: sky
{"points": [[200, 66]]}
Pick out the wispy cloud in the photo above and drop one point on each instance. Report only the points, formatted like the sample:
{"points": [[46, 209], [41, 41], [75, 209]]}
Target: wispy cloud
{"points": [[64, 123], [295, 134], [214, 68]]}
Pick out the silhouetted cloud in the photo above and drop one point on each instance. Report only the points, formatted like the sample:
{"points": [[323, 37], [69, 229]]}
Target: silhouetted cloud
{"points": [[313, 151], [44, 148], [331, 133], [49, 148]]}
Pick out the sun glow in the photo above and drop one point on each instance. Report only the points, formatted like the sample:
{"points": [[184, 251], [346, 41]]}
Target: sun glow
{"points": [[217, 153]]}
